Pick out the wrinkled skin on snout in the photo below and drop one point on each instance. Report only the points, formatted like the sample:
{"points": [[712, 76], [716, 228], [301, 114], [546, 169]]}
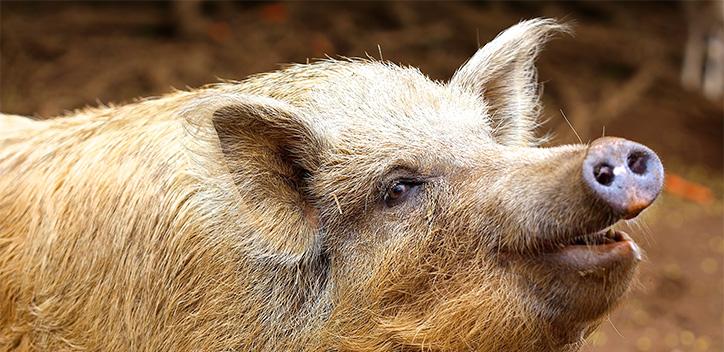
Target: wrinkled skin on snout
{"points": [[339, 205]]}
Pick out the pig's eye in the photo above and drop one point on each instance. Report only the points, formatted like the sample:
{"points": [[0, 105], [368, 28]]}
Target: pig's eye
{"points": [[399, 191]]}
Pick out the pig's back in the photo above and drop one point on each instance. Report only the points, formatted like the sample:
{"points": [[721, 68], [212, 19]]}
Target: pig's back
{"points": [[84, 202], [11, 123], [14, 126]]}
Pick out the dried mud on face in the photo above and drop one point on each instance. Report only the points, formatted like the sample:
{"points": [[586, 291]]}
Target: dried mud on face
{"points": [[620, 70]]}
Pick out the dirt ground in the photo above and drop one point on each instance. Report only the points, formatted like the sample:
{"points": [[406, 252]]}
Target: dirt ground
{"points": [[620, 70]]}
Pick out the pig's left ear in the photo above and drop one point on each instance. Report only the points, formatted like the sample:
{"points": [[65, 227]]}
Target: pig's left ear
{"points": [[503, 74], [268, 148]]}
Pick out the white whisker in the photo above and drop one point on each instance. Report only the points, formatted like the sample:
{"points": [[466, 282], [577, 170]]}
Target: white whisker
{"points": [[571, 126]]}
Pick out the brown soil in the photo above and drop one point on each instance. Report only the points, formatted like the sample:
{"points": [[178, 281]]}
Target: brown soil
{"points": [[620, 71]]}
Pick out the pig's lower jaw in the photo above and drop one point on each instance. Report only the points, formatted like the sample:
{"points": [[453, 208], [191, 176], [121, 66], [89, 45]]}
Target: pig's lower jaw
{"points": [[597, 252], [577, 283]]}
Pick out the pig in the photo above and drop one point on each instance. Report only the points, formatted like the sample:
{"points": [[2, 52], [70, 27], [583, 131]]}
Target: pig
{"points": [[349, 205]]}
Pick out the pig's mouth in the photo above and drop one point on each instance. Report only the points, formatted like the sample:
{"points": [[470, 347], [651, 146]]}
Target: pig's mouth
{"points": [[599, 250], [602, 237]]}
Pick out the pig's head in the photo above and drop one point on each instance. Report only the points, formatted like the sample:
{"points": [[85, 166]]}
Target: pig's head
{"points": [[430, 216]]}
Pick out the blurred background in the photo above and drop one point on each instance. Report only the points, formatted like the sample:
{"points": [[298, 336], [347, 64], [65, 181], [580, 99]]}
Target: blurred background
{"points": [[646, 71]]}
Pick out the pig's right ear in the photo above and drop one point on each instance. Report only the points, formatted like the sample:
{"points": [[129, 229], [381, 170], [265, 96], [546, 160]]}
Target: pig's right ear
{"points": [[269, 150], [503, 74]]}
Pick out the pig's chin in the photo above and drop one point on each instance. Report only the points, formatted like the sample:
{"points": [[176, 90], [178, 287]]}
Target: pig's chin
{"points": [[579, 279]]}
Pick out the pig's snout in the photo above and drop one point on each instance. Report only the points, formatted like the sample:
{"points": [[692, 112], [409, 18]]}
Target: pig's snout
{"points": [[626, 176]]}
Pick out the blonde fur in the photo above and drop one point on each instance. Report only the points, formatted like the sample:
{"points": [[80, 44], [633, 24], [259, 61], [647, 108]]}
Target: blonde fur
{"points": [[250, 216]]}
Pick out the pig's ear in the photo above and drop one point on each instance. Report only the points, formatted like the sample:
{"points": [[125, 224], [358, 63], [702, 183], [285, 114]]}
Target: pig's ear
{"points": [[271, 150], [503, 74]]}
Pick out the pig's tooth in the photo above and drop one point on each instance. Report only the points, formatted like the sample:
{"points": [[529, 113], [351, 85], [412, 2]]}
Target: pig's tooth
{"points": [[636, 250], [611, 233]]}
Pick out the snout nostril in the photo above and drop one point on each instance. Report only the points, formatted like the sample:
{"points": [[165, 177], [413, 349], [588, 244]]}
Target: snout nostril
{"points": [[623, 176], [637, 162], [603, 173]]}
